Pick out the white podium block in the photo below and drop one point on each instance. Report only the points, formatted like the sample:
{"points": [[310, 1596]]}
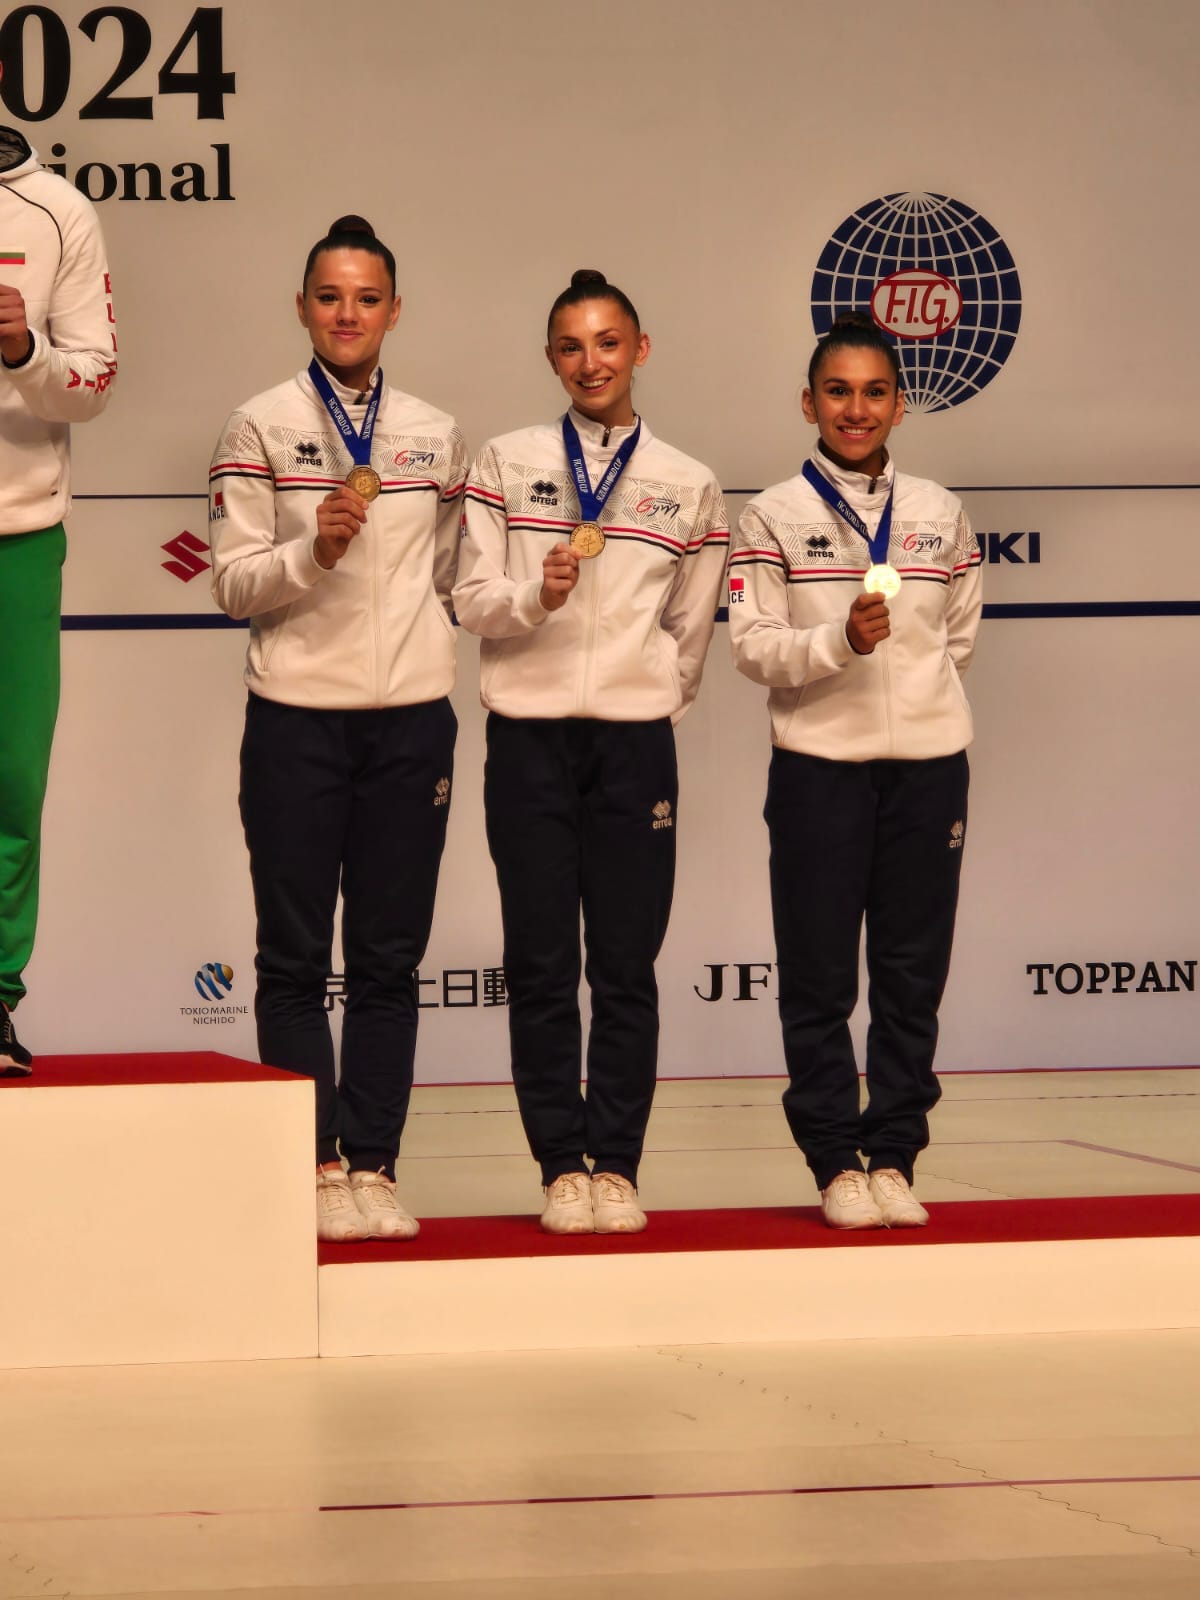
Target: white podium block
{"points": [[981, 1268], [156, 1208]]}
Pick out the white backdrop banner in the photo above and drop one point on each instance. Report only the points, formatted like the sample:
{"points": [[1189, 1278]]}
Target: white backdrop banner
{"points": [[739, 170]]}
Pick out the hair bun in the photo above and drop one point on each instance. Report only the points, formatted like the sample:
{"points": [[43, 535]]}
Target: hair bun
{"points": [[851, 319], [588, 278], [351, 224]]}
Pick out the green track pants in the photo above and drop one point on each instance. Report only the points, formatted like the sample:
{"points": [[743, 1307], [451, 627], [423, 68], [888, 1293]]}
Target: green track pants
{"points": [[30, 622]]}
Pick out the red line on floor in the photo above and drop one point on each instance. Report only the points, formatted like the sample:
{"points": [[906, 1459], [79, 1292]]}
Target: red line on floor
{"points": [[604, 1499], [1130, 1155], [751, 1494]]}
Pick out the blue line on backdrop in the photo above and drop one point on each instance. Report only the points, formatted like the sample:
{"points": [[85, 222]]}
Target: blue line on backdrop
{"points": [[148, 621], [972, 488], [145, 621]]}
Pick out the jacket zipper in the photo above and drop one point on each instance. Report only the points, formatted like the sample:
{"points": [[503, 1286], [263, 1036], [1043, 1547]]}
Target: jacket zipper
{"points": [[377, 619]]}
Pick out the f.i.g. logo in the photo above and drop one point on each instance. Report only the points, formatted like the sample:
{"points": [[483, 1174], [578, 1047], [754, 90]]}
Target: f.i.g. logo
{"points": [[938, 279], [915, 304]]}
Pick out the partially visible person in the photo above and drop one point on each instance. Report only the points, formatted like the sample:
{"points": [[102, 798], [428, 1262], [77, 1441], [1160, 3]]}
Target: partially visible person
{"points": [[334, 511], [58, 359], [591, 566], [855, 598]]}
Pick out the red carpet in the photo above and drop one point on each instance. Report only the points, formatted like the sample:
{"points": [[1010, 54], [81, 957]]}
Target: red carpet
{"points": [[670, 1232], [801, 1228], [91, 1072]]}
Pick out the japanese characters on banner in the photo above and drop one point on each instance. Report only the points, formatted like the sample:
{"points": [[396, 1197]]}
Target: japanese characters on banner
{"points": [[723, 172]]}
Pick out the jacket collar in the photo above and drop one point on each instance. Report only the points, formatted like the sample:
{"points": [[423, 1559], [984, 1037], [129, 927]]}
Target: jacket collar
{"points": [[855, 485], [348, 397], [593, 432]]}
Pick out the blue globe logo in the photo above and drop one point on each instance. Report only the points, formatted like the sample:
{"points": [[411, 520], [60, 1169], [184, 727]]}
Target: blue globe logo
{"points": [[214, 979], [938, 279]]}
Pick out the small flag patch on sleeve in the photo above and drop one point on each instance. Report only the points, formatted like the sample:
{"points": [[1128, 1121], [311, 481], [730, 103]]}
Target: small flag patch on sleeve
{"points": [[737, 591], [12, 258]]}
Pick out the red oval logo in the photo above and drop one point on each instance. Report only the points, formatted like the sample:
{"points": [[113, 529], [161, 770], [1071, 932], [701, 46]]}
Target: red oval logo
{"points": [[916, 303]]}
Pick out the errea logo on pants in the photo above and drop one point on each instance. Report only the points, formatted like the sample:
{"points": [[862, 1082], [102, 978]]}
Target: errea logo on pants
{"points": [[441, 792], [662, 815]]}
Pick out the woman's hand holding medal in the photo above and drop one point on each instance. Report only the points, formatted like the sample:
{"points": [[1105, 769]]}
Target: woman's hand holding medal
{"points": [[868, 623], [339, 517], [560, 574]]}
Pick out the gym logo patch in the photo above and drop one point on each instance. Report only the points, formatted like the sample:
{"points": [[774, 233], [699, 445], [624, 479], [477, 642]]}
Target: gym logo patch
{"points": [[657, 506]]}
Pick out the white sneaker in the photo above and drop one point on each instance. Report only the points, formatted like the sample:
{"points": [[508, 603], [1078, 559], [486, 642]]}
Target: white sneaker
{"points": [[615, 1204], [379, 1207], [847, 1202], [898, 1205], [338, 1219], [569, 1204]]}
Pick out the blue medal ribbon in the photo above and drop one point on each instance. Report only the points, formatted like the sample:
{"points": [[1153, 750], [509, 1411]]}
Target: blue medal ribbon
{"points": [[591, 501], [877, 546], [357, 443]]}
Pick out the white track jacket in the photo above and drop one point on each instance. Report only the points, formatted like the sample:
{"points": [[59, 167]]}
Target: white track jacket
{"points": [[52, 250], [794, 570], [376, 630], [629, 644]]}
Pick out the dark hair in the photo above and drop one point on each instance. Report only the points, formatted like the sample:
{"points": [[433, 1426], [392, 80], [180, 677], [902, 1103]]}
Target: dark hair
{"points": [[588, 284], [853, 330], [351, 233]]}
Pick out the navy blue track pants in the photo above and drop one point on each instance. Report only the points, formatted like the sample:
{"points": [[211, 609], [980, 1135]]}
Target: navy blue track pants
{"points": [[879, 842], [356, 801], [581, 817]]}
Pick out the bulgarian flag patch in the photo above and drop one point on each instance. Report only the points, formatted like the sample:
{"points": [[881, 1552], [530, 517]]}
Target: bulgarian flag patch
{"points": [[12, 258]]}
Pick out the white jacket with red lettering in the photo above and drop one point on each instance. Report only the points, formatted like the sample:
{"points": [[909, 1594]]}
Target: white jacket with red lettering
{"points": [[629, 644], [374, 631], [794, 571], [52, 250]]}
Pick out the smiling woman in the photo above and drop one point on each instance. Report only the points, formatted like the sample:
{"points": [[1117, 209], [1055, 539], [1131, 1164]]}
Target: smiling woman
{"points": [[590, 564], [349, 300], [858, 602], [335, 508]]}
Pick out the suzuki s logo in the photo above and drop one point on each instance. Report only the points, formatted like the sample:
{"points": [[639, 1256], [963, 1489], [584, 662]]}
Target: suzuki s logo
{"points": [[916, 304], [189, 553]]}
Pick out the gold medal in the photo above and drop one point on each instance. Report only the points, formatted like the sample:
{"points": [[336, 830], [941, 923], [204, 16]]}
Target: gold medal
{"points": [[364, 481], [882, 579], [587, 539]]}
